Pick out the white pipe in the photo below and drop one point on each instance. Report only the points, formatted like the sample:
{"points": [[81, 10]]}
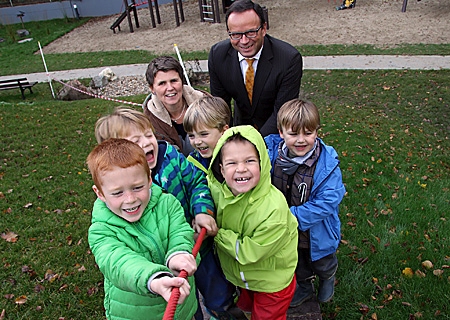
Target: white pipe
{"points": [[45, 65], [182, 64]]}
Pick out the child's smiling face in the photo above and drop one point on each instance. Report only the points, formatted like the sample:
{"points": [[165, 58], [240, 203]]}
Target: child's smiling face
{"points": [[126, 191], [299, 143], [147, 141], [204, 139], [240, 166]]}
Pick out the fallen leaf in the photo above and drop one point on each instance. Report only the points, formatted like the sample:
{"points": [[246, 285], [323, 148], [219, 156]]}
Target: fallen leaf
{"points": [[3, 314], [21, 300], [407, 304], [364, 309], [427, 264], [438, 272], [407, 272], [38, 288], [50, 276], [69, 240], [10, 236], [28, 205], [25, 269], [420, 274]]}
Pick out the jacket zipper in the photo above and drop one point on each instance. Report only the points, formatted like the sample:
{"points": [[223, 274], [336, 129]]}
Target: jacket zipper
{"points": [[152, 240]]}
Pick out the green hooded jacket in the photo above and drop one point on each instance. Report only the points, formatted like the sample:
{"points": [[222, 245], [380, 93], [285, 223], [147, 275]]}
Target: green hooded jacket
{"points": [[128, 254], [257, 238]]}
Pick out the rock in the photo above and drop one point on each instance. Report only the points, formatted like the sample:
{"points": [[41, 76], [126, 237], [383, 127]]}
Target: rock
{"points": [[108, 74], [99, 82], [124, 86], [68, 93], [23, 32]]}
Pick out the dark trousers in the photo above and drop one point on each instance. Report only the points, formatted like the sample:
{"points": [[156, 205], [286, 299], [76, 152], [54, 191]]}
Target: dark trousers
{"points": [[324, 268], [218, 293]]}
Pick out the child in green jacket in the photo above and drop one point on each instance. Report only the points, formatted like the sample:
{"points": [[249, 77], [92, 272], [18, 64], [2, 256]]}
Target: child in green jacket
{"points": [[175, 174], [139, 236], [257, 238]]}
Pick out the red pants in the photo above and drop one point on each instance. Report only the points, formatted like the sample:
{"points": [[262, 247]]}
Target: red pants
{"points": [[264, 306]]}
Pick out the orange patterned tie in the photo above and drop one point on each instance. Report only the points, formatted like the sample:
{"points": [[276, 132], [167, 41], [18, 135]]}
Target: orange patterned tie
{"points": [[249, 78]]}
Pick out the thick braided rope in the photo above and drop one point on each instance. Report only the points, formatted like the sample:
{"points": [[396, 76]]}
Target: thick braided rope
{"points": [[172, 304]]}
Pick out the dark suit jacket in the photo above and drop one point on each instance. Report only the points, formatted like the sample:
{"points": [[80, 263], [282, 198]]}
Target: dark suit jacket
{"points": [[277, 80]]}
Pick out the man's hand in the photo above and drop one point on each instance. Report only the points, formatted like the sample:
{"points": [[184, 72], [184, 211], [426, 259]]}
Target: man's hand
{"points": [[164, 286]]}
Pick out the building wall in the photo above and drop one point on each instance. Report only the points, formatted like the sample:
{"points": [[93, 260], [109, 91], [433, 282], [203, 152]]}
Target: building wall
{"points": [[63, 9]]}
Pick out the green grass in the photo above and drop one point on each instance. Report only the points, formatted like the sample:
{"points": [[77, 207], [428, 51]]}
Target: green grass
{"points": [[390, 128]]}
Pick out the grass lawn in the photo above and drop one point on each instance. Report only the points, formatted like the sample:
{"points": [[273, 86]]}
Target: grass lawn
{"points": [[390, 128]]}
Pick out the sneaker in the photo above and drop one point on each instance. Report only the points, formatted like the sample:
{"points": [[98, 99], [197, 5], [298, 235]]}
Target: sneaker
{"points": [[233, 313], [326, 290], [303, 292]]}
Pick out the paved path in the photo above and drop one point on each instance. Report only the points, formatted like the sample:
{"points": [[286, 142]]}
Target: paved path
{"points": [[310, 63]]}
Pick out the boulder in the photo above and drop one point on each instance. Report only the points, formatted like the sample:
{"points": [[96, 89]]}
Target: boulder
{"points": [[99, 82], [68, 93]]}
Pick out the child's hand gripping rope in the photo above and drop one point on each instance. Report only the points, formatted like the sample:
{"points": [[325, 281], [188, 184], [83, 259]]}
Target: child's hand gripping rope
{"points": [[172, 304]]}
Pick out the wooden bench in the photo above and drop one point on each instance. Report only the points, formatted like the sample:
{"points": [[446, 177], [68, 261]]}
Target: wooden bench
{"points": [[19, 83]]}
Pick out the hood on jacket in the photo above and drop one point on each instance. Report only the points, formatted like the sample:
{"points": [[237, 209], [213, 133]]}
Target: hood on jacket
{"points": [[155, 106], [252, 135]]}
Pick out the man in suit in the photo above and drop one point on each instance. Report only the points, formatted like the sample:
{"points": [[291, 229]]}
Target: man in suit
{"points": [[277, 68]]}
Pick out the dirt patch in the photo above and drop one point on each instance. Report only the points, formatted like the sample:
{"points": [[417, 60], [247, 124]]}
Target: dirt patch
{"points": [[377, 22]]}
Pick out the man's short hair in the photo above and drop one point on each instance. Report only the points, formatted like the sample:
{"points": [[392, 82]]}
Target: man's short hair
{"points": [[244, 5]]}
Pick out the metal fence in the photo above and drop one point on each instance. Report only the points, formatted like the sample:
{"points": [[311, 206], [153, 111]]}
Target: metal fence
{"points": [[15, 3]]}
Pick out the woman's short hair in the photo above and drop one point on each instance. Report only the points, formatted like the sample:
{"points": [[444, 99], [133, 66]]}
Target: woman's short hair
{"points": [[165, 64]]}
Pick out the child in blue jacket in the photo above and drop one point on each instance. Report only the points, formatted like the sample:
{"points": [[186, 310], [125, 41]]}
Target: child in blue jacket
{"points": [[307, 172]]}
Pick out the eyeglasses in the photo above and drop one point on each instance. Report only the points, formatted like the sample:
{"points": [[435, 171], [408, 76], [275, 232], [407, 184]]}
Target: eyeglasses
{"points": [[249, 34]]}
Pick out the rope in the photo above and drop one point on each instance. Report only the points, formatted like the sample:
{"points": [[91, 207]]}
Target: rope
{"points": [[172, 304], [98, 96]]}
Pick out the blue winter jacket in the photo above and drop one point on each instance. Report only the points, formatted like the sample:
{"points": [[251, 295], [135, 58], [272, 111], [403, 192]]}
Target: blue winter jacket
{"points": [[320, 214]]}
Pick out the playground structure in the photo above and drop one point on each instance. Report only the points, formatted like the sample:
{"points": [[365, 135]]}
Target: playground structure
{"points": [[209, 12], [130, 8], [405, 2]]}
